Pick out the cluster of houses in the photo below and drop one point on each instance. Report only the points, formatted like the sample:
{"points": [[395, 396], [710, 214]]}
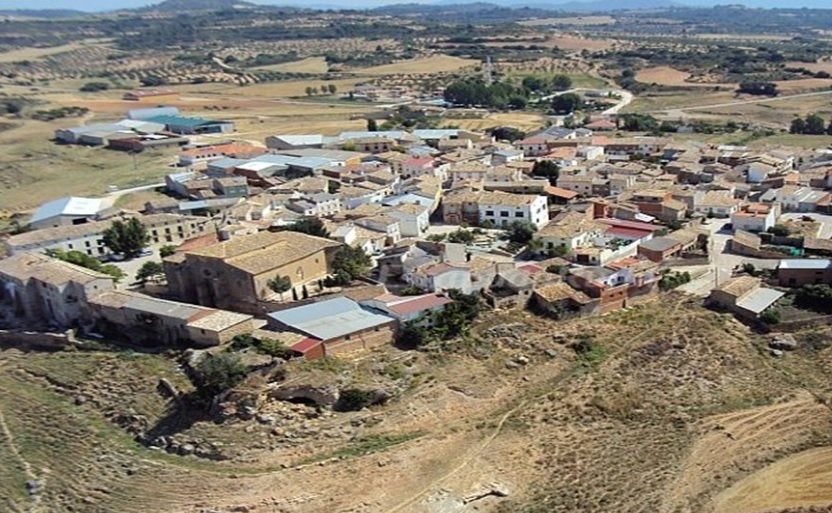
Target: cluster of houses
{"points": [[619, 214]]}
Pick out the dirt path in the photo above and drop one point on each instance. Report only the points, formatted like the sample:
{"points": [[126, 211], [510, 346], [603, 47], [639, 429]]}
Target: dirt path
{"points": [[551, 385], [7, 436]]}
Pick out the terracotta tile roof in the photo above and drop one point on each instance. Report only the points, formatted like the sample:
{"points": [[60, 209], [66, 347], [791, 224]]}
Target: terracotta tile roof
{"points": [[263, 251]]}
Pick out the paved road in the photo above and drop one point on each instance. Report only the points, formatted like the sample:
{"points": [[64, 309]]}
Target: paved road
{"points": [[722, 264], [737, 103]]}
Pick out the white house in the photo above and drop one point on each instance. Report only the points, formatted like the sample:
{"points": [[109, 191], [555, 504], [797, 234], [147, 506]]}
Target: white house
{"points": [[503, 208], [572, 230], [442, 276], [756, 217], [718, 204], [383, 224], [414, 220]]}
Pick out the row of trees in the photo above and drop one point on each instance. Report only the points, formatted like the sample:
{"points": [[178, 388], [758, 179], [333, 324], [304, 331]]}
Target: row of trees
{"points": [[813, 124], [325, 89], [758, 88], [82, 259]]}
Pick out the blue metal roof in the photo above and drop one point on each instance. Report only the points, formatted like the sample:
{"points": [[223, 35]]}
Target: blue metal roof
{"points": [[183, 121], [330, 319]]}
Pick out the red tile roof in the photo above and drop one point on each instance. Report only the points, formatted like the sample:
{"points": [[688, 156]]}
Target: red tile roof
{"points": [[623, 223], [418, 303], [305, 345], [560, 192], [630, 233]]}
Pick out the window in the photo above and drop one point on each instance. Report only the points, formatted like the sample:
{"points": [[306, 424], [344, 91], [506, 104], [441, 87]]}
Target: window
{"points": [[504, 214], [87, 243], [489, 213], [69, 245], [518, 214]]}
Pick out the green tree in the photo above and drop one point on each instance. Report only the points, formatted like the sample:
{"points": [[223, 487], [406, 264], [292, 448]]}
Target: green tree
{"points": [[351, 262], [566, 103], [89, 262], [505, 133], [126, 238], [561, 82], [167, 250], [520, 232], [332, 89], [217, 374], [546, 169], [150, 271], [798, 126], [308, 225], [461, 236], [279, 285], [310, 91], [815, 125], [372, 125], [412, 335]]}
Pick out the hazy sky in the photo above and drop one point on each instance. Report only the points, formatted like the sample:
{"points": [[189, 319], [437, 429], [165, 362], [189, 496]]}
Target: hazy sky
{"points": [[106, 5]]}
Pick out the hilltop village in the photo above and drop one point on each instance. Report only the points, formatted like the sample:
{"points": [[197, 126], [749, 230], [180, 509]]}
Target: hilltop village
{"points": [[339, 244]]}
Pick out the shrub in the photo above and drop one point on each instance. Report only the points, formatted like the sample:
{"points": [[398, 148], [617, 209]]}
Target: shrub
{"points": [[218, 373], [770, 316], [353, 399], [93, 87]]}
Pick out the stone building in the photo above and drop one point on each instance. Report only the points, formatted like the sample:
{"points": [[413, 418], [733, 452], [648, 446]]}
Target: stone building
{"points": [[49, 292], [235, 274]]}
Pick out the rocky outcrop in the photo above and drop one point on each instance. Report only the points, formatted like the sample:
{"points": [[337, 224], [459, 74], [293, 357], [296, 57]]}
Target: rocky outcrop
{"points": [[314, 395]]}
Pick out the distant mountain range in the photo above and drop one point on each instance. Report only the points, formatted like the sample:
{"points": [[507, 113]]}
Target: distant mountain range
{"points": [[390, 5], [198, 5]]}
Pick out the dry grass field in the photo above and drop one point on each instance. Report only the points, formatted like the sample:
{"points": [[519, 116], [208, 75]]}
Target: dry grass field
{"points": [[574, 20], [822, 65], [801, 480], [426, 65], [308, 65], [665, 75], [673, 408], [37, 170], [523, 121]]}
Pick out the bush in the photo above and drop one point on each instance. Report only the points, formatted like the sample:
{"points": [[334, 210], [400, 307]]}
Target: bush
{"points": [[353, 399], [93, 87], [770, 316], [815, 297], [670, 281], [218, 373], [167, 250]]}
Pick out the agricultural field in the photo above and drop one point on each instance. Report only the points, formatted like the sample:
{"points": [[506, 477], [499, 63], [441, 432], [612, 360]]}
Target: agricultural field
{"points": [[308, 65], [423, 66]]}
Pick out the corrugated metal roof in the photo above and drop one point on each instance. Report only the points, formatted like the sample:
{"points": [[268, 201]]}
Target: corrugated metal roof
{"points": [[805, 263], [758, 300], [183, 121], [68, 206], [330, 319]]}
